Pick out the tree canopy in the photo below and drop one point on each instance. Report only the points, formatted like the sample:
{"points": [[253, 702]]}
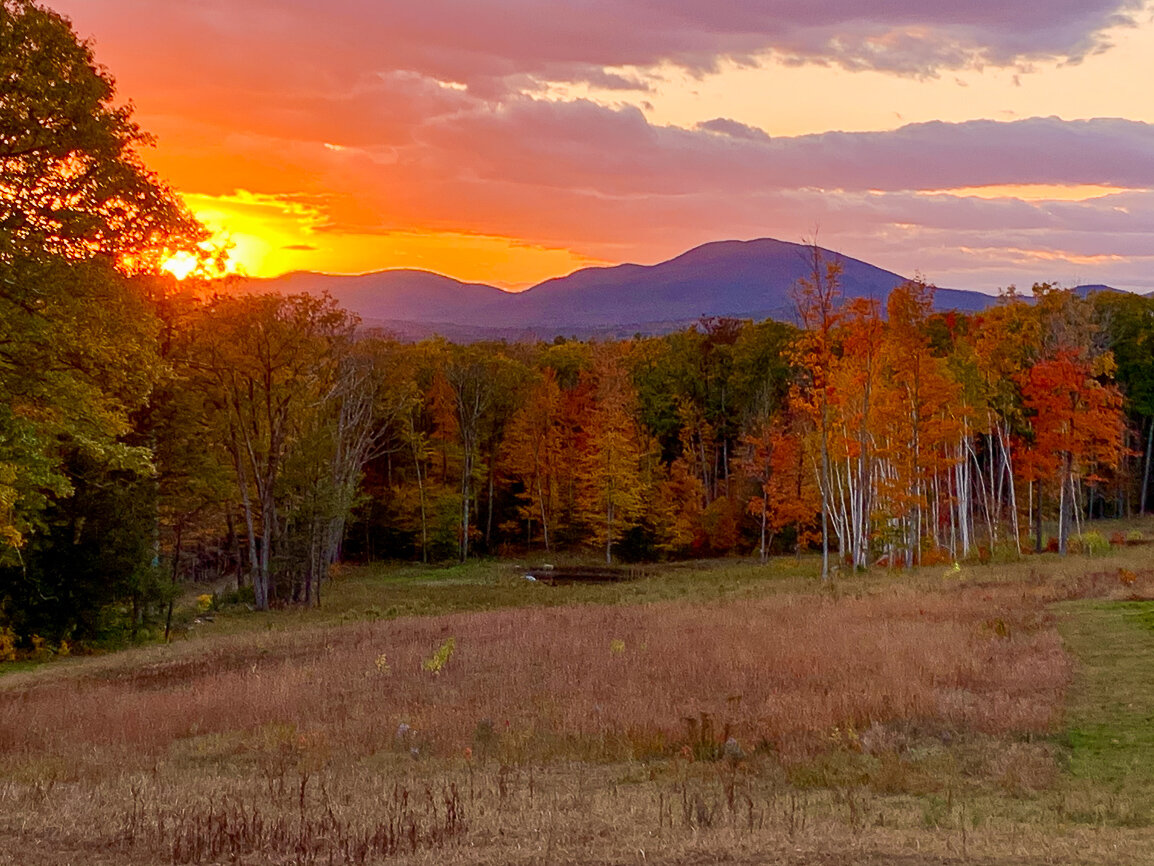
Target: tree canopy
{"points": [[84, 228], [73, 183]]}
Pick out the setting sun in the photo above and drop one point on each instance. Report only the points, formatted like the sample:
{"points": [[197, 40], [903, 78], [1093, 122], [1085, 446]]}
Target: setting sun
{"points": [[264, 236], [180, 265]]}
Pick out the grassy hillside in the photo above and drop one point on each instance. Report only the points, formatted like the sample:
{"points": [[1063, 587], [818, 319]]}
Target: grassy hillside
{"points": [[996, 714]]}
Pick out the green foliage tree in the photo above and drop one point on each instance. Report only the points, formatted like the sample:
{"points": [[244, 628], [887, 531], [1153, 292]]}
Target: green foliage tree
{"points": [[270, 365], [74, 186], [80, 216], [87, 572], [1127, 321]]}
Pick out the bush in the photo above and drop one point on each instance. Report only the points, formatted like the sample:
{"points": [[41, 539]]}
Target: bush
{"points": [[1092, 543], [241, 596]]}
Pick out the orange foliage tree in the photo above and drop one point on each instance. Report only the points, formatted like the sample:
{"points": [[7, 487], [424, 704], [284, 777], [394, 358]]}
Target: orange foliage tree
{"points": [[922, 420], [533, 445], [787, 492], [1077, 425], [817, 297]]}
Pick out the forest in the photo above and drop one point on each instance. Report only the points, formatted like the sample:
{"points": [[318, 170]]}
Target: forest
{"points": [[155, 432], [267, 437]]}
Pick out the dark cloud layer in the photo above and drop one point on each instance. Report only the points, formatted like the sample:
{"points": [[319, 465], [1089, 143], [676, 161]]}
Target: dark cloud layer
{"points": [[494, 44]]}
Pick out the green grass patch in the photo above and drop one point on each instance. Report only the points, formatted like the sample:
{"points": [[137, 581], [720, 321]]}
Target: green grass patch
{"points": [[1109, 732], [392, 591]]}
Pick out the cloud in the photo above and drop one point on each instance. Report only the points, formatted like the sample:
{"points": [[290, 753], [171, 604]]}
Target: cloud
{"points": [[495, 46], [618, 152], [610, 185], [736, 129]]}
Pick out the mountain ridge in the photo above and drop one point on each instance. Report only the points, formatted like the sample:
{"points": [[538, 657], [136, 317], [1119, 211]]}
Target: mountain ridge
{"points": [[751, 279]]}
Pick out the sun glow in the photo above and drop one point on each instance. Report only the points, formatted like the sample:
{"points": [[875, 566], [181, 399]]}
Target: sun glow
{"points": [[1032, 191], [265, 236], [180, 265]]}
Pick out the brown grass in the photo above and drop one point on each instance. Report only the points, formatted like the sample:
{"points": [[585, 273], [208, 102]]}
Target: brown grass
{"points": [[887, 718], [784, 673]]}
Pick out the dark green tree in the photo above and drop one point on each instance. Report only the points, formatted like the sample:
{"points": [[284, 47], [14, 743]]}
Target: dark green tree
{"points": [[1128, 322], [81, 219]]}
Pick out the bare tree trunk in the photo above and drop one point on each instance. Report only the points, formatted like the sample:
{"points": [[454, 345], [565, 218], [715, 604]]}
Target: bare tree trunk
{"points": [[544, 517], [1146, 471], [1007, 464], [825, 502], [176, 549], [259, 585], [269, 528], [421, 498], [1064, 505], [1038, 544], [466, 493], [764, 510], [609, 529], [489, 503]]}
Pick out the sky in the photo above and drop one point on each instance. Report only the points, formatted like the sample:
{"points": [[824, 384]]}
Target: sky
{"points": [[977, 144]]}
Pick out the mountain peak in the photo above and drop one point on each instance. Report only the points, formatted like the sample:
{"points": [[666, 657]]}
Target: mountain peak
{"points": [[750, 279]]}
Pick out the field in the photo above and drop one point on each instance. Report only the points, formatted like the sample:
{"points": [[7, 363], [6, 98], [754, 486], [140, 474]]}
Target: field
{"points": [[723, 712]]}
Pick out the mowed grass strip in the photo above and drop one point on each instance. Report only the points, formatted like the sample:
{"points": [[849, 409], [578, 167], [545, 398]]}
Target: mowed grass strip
{"points": [[1110, 721]]}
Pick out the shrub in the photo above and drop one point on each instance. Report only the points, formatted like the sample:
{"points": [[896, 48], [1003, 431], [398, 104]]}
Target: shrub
{"points": [[1092, 543]]}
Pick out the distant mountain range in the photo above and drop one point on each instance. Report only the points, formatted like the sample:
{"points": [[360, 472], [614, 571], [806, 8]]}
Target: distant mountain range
{"points": [[742, 279]]}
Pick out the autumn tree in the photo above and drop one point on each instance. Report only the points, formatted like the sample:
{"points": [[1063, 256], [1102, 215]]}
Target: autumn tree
{"points": [[924, 418], [786, 493], [1076, 424], [853, 406], [610, 474], [533, 448], [1006, 340], [817, 297]]}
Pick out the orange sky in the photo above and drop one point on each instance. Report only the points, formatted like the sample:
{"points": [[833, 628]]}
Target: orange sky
{"points": [[506, 143]]}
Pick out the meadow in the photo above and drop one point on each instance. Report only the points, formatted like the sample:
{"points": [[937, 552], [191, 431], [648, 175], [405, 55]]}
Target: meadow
{"points": [[723, 711]]}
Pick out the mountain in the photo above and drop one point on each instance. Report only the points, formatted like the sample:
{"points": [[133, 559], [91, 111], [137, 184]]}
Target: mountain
{"points": [[1086, 291], [397, 294], [743, 279]]}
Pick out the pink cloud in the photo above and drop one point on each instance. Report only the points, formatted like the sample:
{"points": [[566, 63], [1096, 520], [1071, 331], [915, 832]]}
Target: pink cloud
{"points": [[303, 44]]}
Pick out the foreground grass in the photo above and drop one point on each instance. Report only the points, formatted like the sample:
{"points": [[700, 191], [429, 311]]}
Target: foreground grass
{"points": [[886, 718], [1110, 727]]}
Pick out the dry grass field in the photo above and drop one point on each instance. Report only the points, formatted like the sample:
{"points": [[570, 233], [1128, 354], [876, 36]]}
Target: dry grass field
{"points": [[710, 716]]}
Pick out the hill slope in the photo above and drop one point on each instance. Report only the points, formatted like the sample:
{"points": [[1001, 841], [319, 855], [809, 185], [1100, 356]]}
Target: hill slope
{"points": [[744, 279]]}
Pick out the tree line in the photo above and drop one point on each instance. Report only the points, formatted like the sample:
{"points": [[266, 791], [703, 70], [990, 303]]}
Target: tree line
{"points": [[269, 437]]}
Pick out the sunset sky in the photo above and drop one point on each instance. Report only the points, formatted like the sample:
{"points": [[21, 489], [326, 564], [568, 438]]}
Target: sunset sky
{"points": [[978, 143]]}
